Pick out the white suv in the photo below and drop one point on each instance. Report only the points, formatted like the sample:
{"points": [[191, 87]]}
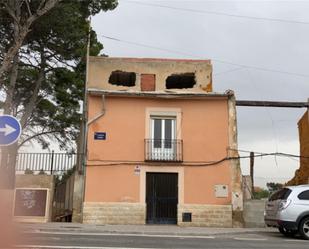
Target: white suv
{"points": [[288, 209]]}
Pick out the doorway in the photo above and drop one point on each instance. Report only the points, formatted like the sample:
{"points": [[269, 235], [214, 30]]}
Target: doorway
{"points": [[161, 198]]}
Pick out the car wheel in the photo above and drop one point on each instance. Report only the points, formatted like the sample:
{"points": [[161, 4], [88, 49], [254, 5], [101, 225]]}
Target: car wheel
{"points": [[286, 232], [304, 228]]}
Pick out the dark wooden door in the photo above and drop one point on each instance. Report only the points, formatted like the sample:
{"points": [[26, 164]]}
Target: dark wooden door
{"points": [[161, 198]]}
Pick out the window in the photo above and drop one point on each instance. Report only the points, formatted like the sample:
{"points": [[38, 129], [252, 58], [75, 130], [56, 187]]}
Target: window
{"points": [[180, 81], [281, 194], [304, 195], [163, 132], [120, 78]]}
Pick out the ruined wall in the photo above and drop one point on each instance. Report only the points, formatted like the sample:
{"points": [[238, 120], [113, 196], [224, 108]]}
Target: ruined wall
{"points": [[237, 193], [302, 174], [101, 68]]}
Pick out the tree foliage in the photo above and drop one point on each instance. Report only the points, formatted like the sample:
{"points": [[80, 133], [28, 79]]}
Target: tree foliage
{"points": [[17, 17], [45, 83], [274, 186]]}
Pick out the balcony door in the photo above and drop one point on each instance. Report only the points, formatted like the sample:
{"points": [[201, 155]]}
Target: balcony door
{"points": [[163, 134]]}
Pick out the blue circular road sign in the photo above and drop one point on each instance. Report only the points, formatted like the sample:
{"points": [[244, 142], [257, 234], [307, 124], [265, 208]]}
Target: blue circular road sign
{"points": [[10, 130]]}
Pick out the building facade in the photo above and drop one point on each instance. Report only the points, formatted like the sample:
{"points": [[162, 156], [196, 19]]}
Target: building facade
{"points": [[162, 146], [302, 174]]}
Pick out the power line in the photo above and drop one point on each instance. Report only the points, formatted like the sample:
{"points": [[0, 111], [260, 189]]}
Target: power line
{"points": [[184, 163], [213, 59], [234, 1], [219, 13], [261, 154], [228, 71], [148, 46]]}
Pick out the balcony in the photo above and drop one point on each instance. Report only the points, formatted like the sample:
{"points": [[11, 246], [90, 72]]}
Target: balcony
{"points": [[163, 150]]}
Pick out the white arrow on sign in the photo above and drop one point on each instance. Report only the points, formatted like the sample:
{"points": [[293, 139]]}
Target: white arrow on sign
{"points": [[7, 130]]}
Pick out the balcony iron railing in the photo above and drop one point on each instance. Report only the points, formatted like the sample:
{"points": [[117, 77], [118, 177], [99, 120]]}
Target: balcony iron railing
{"points": [[163, 150]]}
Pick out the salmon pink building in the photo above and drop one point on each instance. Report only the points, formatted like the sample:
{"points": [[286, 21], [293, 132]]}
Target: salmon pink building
{"points": [[162, 146]]}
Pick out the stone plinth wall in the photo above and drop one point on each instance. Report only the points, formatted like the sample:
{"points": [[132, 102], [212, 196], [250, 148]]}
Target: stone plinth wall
{"points": [[37, 182], [206, 215], [114, 213]]}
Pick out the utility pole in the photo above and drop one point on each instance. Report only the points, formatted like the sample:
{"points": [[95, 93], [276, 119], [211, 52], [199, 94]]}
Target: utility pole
{"points": [[79, 181], [85, 108], [252, 170]]}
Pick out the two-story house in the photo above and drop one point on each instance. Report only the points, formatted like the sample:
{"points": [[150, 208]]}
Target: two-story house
{"points": [[162, 146]]}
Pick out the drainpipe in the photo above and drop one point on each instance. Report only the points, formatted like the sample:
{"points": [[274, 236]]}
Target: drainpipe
{"points": [[101, 114]]}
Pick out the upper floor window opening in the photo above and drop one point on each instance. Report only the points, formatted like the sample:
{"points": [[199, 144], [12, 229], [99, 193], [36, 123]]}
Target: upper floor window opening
{"points": [[180, 81], [121, 78]]}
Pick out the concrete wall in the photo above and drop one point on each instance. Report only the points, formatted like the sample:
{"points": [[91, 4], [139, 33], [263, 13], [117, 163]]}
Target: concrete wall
{"points": [[247, 187], [162, 68], [78, 195], [254, 213], [37, 182]]}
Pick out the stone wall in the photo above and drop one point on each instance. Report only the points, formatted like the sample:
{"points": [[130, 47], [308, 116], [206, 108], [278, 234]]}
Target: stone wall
{"points": [[206, 215], [114, 213]]}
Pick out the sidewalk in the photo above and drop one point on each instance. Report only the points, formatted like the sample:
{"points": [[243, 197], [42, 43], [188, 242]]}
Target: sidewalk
{"points": [[137, 229]]}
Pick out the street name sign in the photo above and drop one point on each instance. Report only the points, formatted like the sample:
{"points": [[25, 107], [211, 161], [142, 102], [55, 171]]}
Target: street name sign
{"points": [[10, 130], [100, 135]]}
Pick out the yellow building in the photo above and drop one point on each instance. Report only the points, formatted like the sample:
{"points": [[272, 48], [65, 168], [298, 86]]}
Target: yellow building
{"points": [[302, 174]]}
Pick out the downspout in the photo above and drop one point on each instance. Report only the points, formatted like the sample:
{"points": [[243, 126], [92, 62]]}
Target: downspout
{"points": [[101, 114]]}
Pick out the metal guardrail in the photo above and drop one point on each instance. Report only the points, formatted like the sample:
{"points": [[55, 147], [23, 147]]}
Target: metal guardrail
{"points": [[168, 150]]}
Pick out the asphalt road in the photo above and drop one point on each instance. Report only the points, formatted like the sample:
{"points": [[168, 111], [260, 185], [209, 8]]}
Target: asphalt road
{"points": [[113, 241]]}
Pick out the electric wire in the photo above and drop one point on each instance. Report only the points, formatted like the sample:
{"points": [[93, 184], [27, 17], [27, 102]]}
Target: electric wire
{"points": [[219, 13], [188, 163]]}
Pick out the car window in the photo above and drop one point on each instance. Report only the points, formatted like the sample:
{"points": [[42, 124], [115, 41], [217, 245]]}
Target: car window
{"points": [[281, 194], [304, 195]]}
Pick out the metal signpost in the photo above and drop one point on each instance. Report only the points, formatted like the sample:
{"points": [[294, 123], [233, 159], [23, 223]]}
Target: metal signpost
{"points": [[10, 130]]}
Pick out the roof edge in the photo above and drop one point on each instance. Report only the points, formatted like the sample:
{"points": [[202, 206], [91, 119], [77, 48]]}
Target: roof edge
{"points": [[141, 59], [167, 94]]}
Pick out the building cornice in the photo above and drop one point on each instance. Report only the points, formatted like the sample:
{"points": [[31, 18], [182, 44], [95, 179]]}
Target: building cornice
{"points": [[163, 95]]}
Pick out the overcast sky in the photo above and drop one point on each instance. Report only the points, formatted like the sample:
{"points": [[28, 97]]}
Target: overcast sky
{"points": [[259, 49]]}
